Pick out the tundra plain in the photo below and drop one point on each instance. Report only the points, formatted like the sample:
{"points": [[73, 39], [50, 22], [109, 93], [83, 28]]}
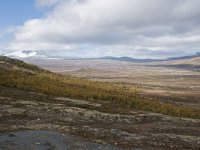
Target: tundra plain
{"points": [[168, 81], [94, 123]]}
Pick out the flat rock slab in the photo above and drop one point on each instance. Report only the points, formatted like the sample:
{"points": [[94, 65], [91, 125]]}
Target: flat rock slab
{"points": [[48, 140]]}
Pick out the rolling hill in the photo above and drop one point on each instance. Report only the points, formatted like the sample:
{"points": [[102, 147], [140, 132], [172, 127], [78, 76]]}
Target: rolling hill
{"points": [[17, 74], [195, 61]]}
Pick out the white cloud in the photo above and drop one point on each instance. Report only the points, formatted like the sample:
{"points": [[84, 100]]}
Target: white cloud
{"points": [[115, 27]]}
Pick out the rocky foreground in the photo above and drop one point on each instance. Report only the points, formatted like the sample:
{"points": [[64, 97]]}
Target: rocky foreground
{"points": [[102, 123]]}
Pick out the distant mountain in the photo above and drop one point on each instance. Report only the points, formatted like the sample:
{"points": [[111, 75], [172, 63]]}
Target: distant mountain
{"points": [[184, 57], [129, 59], [191, 61], [22, 54], [42, 54], [27, 53]]}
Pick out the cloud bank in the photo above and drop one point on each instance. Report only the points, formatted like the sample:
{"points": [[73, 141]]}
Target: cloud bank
{"points": [[137, 28]]}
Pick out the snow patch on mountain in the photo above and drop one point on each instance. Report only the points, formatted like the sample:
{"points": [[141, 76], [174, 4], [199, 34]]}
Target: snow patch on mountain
{"points": [[27, 53]]}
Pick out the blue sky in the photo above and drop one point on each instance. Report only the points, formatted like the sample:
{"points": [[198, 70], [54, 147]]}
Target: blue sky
{"points": [[16, 12], [96, 28]]}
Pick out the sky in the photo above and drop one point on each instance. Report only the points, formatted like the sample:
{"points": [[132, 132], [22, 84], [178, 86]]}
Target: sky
{"points": [[97, 28]]}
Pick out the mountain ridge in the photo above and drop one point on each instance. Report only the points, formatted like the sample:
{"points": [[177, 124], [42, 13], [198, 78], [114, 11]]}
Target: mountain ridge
{"points": [[23, 54]]}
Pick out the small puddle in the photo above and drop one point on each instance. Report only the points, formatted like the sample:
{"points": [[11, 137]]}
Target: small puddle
{"points": [[48, 140]]}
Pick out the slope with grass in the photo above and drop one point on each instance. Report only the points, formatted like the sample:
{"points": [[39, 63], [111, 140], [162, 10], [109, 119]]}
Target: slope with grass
{"points": [[32, 78]]}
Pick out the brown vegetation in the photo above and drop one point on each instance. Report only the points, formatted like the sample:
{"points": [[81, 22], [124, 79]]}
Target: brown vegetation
{"points": [[59, 85]]}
